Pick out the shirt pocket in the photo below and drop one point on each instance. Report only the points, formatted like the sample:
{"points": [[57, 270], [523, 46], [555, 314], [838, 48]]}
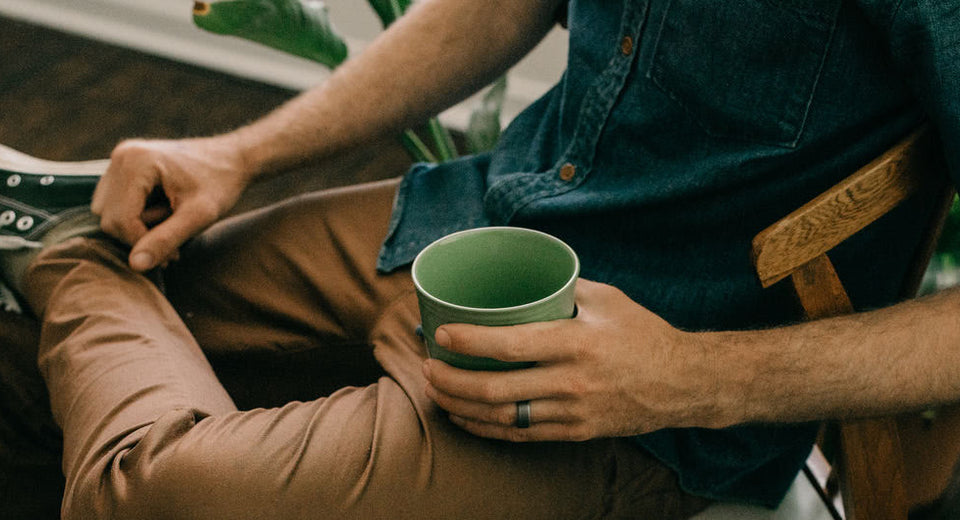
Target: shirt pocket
{"points": [[744, 69]]}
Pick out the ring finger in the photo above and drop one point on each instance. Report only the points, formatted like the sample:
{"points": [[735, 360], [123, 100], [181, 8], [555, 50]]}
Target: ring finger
{"points": [[505, 414], [546, 431]]}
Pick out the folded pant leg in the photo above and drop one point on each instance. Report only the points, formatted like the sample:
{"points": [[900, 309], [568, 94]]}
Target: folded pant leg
{"points": [[291, 276], [282, 299], [115, 358], [150, 433]]}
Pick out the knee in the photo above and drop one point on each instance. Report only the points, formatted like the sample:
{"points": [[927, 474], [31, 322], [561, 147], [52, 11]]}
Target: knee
{"points": [[149, 473]]}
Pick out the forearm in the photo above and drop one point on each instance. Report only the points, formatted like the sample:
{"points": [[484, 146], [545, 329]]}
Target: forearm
{"points": [[436, 55], [896, 359]]}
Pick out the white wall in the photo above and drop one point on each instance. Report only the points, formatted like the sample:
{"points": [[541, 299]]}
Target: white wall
{"points": [[164, 28]]}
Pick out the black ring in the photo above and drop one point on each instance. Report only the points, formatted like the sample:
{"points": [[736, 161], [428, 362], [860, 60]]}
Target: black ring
{"points": [[523, 414]]}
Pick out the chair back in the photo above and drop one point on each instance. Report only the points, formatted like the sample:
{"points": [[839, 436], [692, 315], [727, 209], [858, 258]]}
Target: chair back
{"points": [[870, 460]]}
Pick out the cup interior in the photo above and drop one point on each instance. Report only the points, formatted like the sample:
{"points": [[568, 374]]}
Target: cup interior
{"points": [[494, 268]]}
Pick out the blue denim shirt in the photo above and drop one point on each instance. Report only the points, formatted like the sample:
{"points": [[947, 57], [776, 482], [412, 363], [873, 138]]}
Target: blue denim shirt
{"points": [[679, 130]]}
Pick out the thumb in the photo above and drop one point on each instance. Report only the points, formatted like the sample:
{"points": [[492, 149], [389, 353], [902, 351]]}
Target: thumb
{"points": [[162, 242]]}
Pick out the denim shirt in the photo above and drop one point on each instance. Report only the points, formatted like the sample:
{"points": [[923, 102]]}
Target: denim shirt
{"points": [[680, 129]]}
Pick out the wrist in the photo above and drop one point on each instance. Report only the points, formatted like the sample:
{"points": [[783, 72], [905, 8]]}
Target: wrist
{"points": [[243, 155], [730, 378]]}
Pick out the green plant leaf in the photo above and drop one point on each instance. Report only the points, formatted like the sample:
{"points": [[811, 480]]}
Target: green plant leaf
{"points": [[949, 242], [300, 27], [446, 147], [389, 10], [415, 147], [483, 130]]}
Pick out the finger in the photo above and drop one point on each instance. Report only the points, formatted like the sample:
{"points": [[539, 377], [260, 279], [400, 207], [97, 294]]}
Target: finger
{"points": [[120, 209], [546, 431], [592, 295], [154, 214], [504, 414], [517, 343], [98, 201], [160, 243], [493, 387], [586, 289], [116, 178], [128, 231]]}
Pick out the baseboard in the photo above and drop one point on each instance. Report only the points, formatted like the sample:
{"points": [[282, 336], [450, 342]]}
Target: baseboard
{"points": [[165, 29]]}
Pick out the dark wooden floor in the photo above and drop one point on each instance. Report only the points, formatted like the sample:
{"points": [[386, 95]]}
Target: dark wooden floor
{"points": [[67, 98], [63, 97]]}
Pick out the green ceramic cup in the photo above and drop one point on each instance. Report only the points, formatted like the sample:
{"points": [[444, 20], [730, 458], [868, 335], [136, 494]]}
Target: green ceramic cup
{"points": [[493, 276]]}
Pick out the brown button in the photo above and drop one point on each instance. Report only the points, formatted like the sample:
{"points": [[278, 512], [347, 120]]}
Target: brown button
{"points": [[567, 171], [626, 45]]}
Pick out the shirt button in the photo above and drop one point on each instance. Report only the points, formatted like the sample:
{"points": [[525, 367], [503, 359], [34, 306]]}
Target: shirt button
{"points": [[567, 172], [626, 45]]}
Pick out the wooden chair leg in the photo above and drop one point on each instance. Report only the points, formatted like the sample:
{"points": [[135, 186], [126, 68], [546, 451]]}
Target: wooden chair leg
{"points": [[871, 454], [872, 463]]}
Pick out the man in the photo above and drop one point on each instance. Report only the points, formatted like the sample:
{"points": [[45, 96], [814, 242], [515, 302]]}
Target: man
{"points": [[679, 130]]}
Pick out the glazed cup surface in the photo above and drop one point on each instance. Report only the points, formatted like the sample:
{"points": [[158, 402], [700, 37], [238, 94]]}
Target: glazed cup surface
{"points": [[493, 276]]}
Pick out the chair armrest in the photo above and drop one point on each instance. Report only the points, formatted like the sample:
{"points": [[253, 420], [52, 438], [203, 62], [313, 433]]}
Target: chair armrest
{"points": [[844, 209]]}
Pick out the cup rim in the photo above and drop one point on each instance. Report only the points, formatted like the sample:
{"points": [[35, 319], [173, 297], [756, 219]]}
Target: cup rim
{"points": [[487, 310]]}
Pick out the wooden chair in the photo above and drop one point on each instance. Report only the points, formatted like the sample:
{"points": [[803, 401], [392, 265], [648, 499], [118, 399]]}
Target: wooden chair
{"points": [[870, 461]]}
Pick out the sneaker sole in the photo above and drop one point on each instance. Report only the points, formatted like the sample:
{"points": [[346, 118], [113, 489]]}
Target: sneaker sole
{"points": [[14, 161]]}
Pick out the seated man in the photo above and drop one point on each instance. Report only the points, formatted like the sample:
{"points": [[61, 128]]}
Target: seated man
{"points": [[679, 130]]}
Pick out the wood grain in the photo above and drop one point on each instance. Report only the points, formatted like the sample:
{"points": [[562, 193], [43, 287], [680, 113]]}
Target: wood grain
{"points": [[835, 215], [819, 289], [871, 462], [871, 470]]}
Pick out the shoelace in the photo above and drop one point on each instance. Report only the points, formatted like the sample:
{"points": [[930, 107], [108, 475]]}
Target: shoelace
{"points": [[12, 243]]}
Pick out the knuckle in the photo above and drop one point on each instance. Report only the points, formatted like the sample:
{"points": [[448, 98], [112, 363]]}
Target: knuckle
{"points": [[505, 416], [611, 290], [126, 148], [489, 392], [516, 349], [122, 230], [577, 386], [110, 227], [580, 351], [209, 210], [584, 350], [205, 210], [96, 207]]}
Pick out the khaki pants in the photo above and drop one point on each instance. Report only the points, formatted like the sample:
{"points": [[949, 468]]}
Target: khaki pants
{"points": [[150, 432]]}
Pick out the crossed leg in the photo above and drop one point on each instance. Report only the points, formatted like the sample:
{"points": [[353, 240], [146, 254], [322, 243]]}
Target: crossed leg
{"points": [[150, 432]]}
